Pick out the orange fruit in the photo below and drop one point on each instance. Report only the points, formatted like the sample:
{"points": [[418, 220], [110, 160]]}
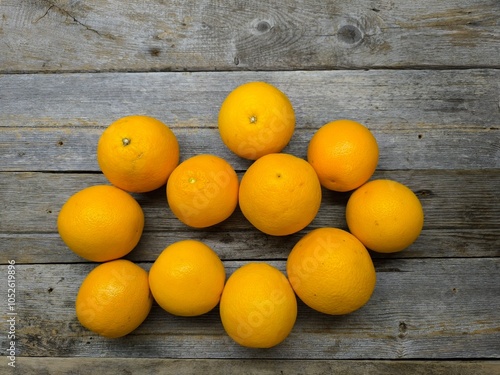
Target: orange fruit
{"points": [[101, 223], [344, 154], [280, 194], [203, 191], [114, 298], [137, 153], [385, 215], [256, 119], [331, 271], [187, 278], [258, 308]]}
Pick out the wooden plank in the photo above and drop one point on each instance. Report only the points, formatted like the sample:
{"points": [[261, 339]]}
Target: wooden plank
{"points": [[423, 76], [236, 244], [61, 35], [153, 366], [62, 149], [422, 119], [384, 99], [428, 308], [461, 218]]}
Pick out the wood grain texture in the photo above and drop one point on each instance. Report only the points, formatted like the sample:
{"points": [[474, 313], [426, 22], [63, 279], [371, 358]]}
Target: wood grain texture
{"points": [[146, 366], [421, 119], [410, 315], [63, 149], [62, 35], [382, 98], [432, 243], [424, 76], [462, 218]]}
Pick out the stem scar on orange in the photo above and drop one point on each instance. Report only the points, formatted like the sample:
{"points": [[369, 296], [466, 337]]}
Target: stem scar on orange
{"points": [[203, 191], [256, 119], [137, 153], [280, 194]]}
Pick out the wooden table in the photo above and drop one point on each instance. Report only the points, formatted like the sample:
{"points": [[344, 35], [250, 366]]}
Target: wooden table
{"points": [[422, 75]]}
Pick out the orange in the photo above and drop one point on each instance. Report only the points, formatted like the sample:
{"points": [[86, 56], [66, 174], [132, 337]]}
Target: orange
{"points": [[137, 153], [280, 194], [187, 278], [114, 298], [385, 215], [101, 223], [331, 271], [256, 119], [258, 308], [344, 154], [203, 191]]}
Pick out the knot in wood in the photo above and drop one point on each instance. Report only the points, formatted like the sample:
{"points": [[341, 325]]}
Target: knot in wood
{"points": [[263, 26], [260, 26], [350, 34]]}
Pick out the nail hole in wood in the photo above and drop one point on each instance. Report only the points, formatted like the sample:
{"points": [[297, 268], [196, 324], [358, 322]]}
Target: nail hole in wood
{"points": [[402, 329], [155, 52]]}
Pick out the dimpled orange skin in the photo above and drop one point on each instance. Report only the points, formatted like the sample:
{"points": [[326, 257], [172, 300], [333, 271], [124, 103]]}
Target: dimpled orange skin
{"points": [[256, 119], [258, 307], [385, 215], [187, 278], [331, 271], [203, 191], [114, 298], [101, 223], [344, 154], [280, 194], [137, 153]]}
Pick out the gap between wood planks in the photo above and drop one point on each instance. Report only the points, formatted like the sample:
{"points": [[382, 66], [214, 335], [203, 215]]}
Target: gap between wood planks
{"points": [[270, 70]]}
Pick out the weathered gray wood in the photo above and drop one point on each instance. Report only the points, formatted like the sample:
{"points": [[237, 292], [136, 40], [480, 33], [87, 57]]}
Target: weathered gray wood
{"points": [[456, 204], [147, 366], [425, 81], [384, 99], [422, 119], [58, 149], [429, 308], [232, 244], [62, 35]]}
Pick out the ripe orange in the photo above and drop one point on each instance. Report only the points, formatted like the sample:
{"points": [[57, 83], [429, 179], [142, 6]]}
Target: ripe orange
{"points": [[258, 308], [280, 194], [137, 153], [331, 271], [344, 154], [385, 215], [187, 278], [203, 191], [114, 298], [101, 223], [256, 119]]}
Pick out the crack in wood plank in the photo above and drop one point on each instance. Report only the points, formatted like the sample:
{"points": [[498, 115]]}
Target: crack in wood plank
{"points": [[61, 10]]}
